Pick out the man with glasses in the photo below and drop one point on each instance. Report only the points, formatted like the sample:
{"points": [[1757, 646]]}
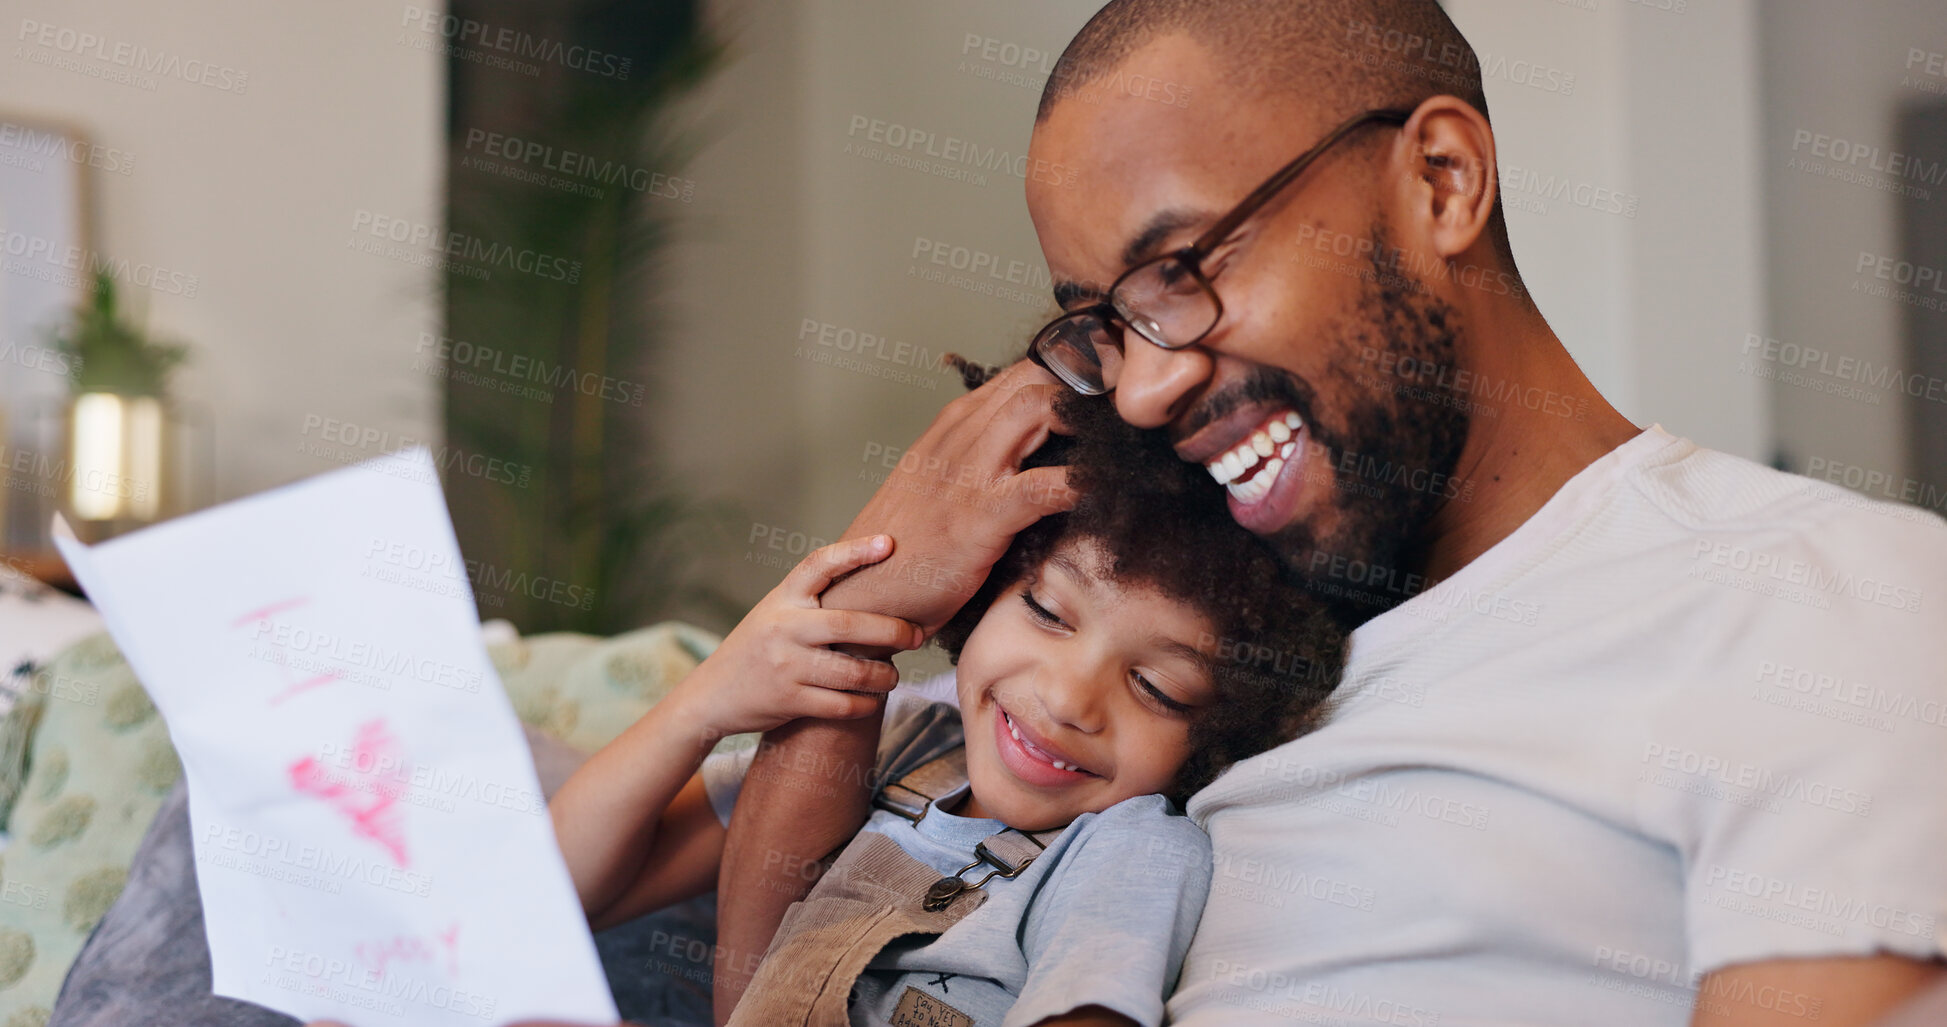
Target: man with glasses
{"points": [[1602, 754]]}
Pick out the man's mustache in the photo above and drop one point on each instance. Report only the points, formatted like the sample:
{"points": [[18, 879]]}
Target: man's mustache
{"points": [[1270, 386]]}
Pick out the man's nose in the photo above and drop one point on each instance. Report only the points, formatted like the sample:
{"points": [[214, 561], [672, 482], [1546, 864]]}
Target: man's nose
{"points": [[1154, 384]]}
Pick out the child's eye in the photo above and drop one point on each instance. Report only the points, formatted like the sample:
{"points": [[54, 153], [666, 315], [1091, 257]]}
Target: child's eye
{"points": [[1162, 699], [1039, 612]]}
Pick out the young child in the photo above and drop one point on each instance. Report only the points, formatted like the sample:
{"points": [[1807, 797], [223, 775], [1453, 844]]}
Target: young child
{"points": [[1117, 659]]}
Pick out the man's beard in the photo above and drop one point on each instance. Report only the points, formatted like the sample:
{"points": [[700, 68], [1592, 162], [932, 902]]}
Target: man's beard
{"points": [[1392, 462]]}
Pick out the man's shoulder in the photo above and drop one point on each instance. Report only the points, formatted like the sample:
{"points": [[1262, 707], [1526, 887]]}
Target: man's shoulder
{"points": [[1708, 490], [1691, 542], [1808, 562]]}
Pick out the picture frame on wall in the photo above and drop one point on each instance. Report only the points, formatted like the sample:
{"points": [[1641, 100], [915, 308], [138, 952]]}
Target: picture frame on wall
{"points": [[46, 243]]}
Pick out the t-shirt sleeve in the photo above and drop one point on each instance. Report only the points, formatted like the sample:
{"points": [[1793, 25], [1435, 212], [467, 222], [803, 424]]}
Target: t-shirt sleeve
{"points": [[1109, 927], [914, 729], [1801, 791], [723, 777]]}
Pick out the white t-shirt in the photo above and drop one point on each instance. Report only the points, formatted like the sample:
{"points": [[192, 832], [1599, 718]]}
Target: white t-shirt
{"points": [[1692, 713]]}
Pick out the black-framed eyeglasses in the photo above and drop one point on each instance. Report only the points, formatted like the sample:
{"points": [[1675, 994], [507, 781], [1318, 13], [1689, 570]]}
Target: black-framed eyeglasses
{"points": [[1166, 299]]}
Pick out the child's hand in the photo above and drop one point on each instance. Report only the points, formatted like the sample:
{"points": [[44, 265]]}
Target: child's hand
{"points": [[773, 667]]}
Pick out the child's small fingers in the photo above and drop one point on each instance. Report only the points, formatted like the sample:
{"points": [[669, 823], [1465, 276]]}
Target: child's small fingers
{"points": [[825, 564], [856, 627]]}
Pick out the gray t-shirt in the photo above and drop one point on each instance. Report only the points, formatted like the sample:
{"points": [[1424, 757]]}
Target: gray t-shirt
{"points": [[1103, 917]]}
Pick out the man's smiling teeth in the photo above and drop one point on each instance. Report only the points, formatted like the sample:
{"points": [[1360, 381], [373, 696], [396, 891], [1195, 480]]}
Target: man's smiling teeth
{"points": [[1273, 435], [1036, 751]]}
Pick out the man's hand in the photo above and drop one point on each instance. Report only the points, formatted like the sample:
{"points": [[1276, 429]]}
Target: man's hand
{"points": [[957, 498], [1842, 991]]}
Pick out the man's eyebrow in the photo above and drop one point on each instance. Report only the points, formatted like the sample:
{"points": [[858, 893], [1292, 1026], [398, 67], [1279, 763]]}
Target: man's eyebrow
{"points": [[1160, 226]]}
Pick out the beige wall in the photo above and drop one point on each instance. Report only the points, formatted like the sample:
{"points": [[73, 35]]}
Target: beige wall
{"points": [[250, 186], [1835, 71], [1651, 116], [789, 227]]}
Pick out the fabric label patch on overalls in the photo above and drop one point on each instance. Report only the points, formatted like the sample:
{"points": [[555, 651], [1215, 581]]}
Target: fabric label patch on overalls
{"points": [[918, 1009]]}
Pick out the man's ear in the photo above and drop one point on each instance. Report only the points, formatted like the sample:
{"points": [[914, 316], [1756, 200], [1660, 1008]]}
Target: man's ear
{"points": [[1452, 179]]}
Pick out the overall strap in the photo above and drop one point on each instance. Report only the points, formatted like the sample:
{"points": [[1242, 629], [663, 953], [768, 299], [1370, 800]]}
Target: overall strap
{"points": [[912, 795], [866, 900], [1008, 851]]}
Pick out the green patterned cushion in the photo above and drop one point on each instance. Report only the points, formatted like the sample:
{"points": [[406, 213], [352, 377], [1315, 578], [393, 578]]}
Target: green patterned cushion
{"points": [[100, 762], [585, 690]]}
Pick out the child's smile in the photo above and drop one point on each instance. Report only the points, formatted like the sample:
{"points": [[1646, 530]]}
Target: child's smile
{"points": [[1043, 763]]}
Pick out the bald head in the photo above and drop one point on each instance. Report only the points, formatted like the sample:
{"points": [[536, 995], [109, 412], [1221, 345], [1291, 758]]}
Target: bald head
{"points": [[1344, 56], [1336, 57]]}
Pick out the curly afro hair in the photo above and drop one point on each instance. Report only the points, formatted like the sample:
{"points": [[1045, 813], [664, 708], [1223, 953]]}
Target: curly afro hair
{"points": [[1162, 523]]}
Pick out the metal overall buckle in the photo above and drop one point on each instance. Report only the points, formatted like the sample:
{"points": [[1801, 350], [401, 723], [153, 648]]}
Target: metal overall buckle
{"points": [[946, 889], [1008, 852]]}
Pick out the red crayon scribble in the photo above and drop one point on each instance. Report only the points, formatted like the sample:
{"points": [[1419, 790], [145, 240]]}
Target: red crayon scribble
{"points": [[262, 612], [304, 686], [372, 810], [406, 948]]}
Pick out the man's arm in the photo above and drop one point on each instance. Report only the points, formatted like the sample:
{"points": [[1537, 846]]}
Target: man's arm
{"points": [[784, 821], [1853, 991], [955, 501]]}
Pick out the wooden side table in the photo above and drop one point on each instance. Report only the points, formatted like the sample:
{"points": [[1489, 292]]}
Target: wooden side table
{"points": [[45, 565]]}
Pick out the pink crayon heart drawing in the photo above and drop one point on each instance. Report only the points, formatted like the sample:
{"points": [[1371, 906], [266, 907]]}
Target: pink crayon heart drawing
{"points": [[369, 805]]}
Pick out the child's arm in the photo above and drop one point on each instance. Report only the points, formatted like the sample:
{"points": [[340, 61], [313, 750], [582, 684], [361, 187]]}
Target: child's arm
{"points": [[607, 840], [634, 825]]}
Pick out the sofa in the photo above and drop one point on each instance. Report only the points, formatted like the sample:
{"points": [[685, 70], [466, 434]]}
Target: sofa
{"points": [[86, 766]]}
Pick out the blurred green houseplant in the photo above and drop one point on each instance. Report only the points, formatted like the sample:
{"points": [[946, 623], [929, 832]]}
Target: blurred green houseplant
{"points": [[601, 541], [106, 352]]}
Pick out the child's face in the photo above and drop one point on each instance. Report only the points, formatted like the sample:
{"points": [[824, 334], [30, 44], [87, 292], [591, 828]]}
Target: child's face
{"points": [[1104, 684]]}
